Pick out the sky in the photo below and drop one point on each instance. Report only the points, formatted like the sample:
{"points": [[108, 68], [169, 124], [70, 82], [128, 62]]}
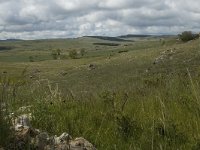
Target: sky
{"points": [[40, 19]]}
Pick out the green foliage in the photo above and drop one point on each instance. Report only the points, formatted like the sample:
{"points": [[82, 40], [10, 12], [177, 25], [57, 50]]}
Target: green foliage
{"points": [[187, 36], [118, 119], [73, 54], [56, 54], [163, 42], [31, 59], [5, 131], [82, 52], [107, 44], [123, 51], [143, 106], [58, 51]]}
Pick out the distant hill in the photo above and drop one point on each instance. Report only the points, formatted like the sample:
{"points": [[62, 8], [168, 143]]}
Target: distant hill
{"points": [[10, 40], [107, 38], [134, 35], [144, 36], [107, 44]]}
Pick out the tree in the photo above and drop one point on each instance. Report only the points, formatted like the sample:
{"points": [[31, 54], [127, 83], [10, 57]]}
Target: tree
{"points": [[187, 36], [73, 54], [56, 54]]}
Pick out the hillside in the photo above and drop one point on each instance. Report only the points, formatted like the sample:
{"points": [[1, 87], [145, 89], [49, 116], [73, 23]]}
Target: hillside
{"points": [[134, 95]]}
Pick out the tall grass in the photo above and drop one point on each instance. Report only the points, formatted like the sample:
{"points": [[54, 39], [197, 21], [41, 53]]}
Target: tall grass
{"points": [[159, 113], [4, 114], [116, 106]]}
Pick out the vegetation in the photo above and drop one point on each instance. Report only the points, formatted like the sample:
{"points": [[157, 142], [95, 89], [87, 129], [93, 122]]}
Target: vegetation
{"points": [[116, 39], [56, 54], [5, 48], [4, 127], [107, 44], [123, 51], [126, 102], [187, 36], [73, 54], [82, 52]]}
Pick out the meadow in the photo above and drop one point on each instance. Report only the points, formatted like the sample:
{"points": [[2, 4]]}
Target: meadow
{"points": [[140, 93]]}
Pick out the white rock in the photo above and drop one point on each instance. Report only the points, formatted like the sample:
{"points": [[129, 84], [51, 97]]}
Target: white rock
{"points": [[82, 143], [23, 120], [42, 140], [63, 138]]}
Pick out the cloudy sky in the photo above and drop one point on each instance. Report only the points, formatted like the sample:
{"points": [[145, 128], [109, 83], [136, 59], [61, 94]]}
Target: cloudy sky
{"points": [[36, 19]]}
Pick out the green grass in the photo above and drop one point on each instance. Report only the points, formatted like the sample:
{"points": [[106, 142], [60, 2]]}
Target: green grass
{"points": [[126, 102]]}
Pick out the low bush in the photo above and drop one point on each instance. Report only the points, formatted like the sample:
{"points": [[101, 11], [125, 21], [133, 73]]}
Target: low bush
{"points": [[73, 54], [187, 36]]}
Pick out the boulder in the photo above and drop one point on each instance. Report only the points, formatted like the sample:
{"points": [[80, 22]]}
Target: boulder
{"points": [[81, 144], [41, 140], [23, 120], [63, 138], [91, 66], [25, 136]]}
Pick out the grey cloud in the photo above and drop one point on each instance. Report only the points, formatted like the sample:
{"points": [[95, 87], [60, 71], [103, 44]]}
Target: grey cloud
{"points": [[32, 19]]}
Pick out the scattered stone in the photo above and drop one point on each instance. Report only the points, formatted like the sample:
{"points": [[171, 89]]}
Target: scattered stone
{"points": [[147, 70], [25, 135], [91, 66], [82, 144], [23, 121], [63, 73], [65, 137], [165, 55], [36, 71], [24, 109], [42, 140], [34, 74]]}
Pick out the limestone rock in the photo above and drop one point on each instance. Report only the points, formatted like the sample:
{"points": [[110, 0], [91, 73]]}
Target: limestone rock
{"points": [[81, 144], [25, 136], [64, 138], [167, 54], [23, 120], [42, 140], [24, 109], [91, 66]]}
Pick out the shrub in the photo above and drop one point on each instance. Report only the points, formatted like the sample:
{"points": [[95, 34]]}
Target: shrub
{"points": [[82, 52], [73, 54], [5, 88], [54, 55], [187, 36], [163, 43], [123, 51], [58, 51], [31, 59]]}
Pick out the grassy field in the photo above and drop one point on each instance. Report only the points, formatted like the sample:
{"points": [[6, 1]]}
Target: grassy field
{"points": [[141, 94]]}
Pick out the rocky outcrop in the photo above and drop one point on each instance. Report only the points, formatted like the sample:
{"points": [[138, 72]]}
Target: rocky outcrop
{"points": [[27, 137], [168, 54]]}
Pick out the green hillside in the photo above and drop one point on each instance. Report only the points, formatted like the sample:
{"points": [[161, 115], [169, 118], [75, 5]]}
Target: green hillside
{"points": [[139, 94]]}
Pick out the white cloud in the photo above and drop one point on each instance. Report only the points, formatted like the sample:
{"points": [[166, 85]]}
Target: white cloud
{"points": [[32, 19]]}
